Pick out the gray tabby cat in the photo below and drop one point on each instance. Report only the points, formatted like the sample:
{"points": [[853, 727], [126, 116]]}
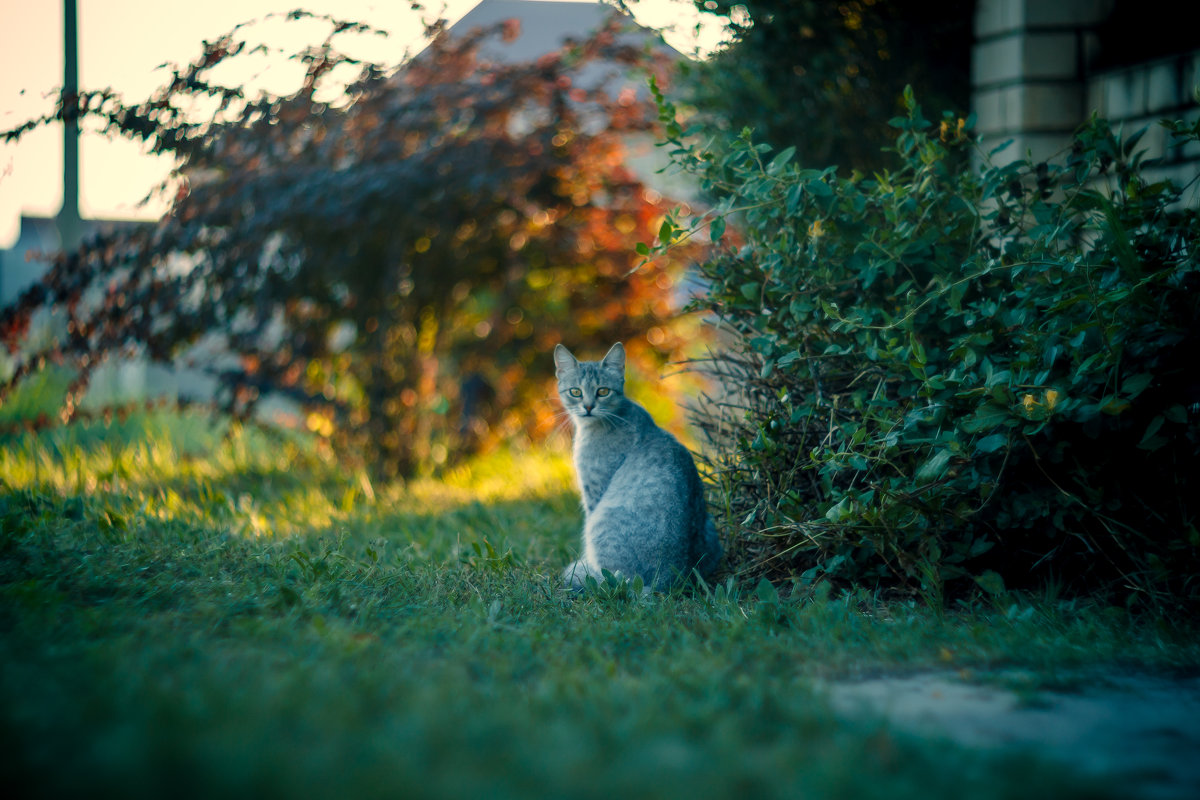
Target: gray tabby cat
{"points": [[643, 502]]}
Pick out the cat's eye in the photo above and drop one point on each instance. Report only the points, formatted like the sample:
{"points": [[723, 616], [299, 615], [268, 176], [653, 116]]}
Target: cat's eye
{"points": [[601, 392], [576, 393]]}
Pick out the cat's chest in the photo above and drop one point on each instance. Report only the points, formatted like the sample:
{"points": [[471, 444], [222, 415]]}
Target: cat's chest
{"points": [[597, 460]]}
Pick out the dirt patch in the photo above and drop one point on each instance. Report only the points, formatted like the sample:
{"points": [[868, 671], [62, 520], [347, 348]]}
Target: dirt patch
{"points": [[1143, 732]]}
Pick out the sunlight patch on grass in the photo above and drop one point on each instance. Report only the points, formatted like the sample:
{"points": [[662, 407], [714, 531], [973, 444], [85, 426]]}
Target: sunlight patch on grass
{"points": [[143, 450], [177, 468], [508, 475], [183, 468]]}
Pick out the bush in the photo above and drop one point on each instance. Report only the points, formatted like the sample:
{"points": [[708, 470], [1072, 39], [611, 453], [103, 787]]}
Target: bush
{"points": [[944, 373]]}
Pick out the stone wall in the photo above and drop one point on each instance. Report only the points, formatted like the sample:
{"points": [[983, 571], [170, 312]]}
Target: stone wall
{"points": [[1037, 73], [1139, 96]]}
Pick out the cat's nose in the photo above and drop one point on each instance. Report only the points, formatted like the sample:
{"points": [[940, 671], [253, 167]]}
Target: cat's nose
{"points": [[588, 407]]}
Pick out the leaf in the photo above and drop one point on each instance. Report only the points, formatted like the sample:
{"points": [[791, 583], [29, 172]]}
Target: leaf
{"points": [[918, 350], [793, 198], [781, 160], [789, 358], [991, 582], [1135, 384], [666, 232], [990, 444], [717, 229], [979, 547], [1114, 406], [985, 418], [1150, 440], [832, 565], [819, 188], [766, 592], [1126, 256], [642, 249], [1131, 142], [935, 467], [840, 510], [1176, 414], [1002, 146]]}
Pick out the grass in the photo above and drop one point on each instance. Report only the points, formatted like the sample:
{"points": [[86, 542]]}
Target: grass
{"points": [[197, 614]]}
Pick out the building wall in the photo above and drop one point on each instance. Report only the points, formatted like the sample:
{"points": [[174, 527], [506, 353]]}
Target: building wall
{"points": [[19, 268], [1038, 72], [1140, 96]]}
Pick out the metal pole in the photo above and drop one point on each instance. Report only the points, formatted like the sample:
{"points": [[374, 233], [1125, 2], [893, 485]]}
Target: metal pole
{"points": [[70, 227]]}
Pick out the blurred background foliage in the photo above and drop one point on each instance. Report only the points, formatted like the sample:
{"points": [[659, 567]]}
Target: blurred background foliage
{"points": [[824, 77], [400, 259]]}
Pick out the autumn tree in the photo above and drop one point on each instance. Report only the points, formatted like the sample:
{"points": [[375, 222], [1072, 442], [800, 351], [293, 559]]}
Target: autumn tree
{"points": [[401, 259]]}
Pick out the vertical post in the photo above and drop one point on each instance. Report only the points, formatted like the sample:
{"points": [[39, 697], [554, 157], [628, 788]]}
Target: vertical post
{"points": [[70, 227]]}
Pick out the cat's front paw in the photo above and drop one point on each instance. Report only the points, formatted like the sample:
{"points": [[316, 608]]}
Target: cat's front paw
{"points": [[576, 574]]}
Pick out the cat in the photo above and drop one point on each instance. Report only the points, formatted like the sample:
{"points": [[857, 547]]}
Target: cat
{"points": [[643, 502]]}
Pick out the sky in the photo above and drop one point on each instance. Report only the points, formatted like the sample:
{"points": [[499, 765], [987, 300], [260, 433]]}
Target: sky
{"points": [[122, 45]]}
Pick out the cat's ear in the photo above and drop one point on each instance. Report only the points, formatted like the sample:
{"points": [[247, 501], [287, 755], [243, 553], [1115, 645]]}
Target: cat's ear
{"points": [[615, 358], [563, 360]]}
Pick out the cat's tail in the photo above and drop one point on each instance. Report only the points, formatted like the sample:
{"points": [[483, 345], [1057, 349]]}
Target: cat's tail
{"points": [[710, 550]]}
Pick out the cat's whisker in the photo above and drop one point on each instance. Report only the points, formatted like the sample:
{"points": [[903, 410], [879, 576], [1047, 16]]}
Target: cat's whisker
{"points": [[612, 421]]}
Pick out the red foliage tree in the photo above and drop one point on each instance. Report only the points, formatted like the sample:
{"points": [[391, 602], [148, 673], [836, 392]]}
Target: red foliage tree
{"points": [[401, 260]]}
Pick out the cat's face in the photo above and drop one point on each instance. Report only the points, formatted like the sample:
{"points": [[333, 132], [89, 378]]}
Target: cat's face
{"points": [[591, 389]]}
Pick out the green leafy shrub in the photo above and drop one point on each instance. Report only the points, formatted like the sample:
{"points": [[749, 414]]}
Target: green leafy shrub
{"points": [[944, 372]]}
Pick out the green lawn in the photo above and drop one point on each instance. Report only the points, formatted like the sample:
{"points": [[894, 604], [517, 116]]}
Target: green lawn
{"points": [[185, 613]]}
